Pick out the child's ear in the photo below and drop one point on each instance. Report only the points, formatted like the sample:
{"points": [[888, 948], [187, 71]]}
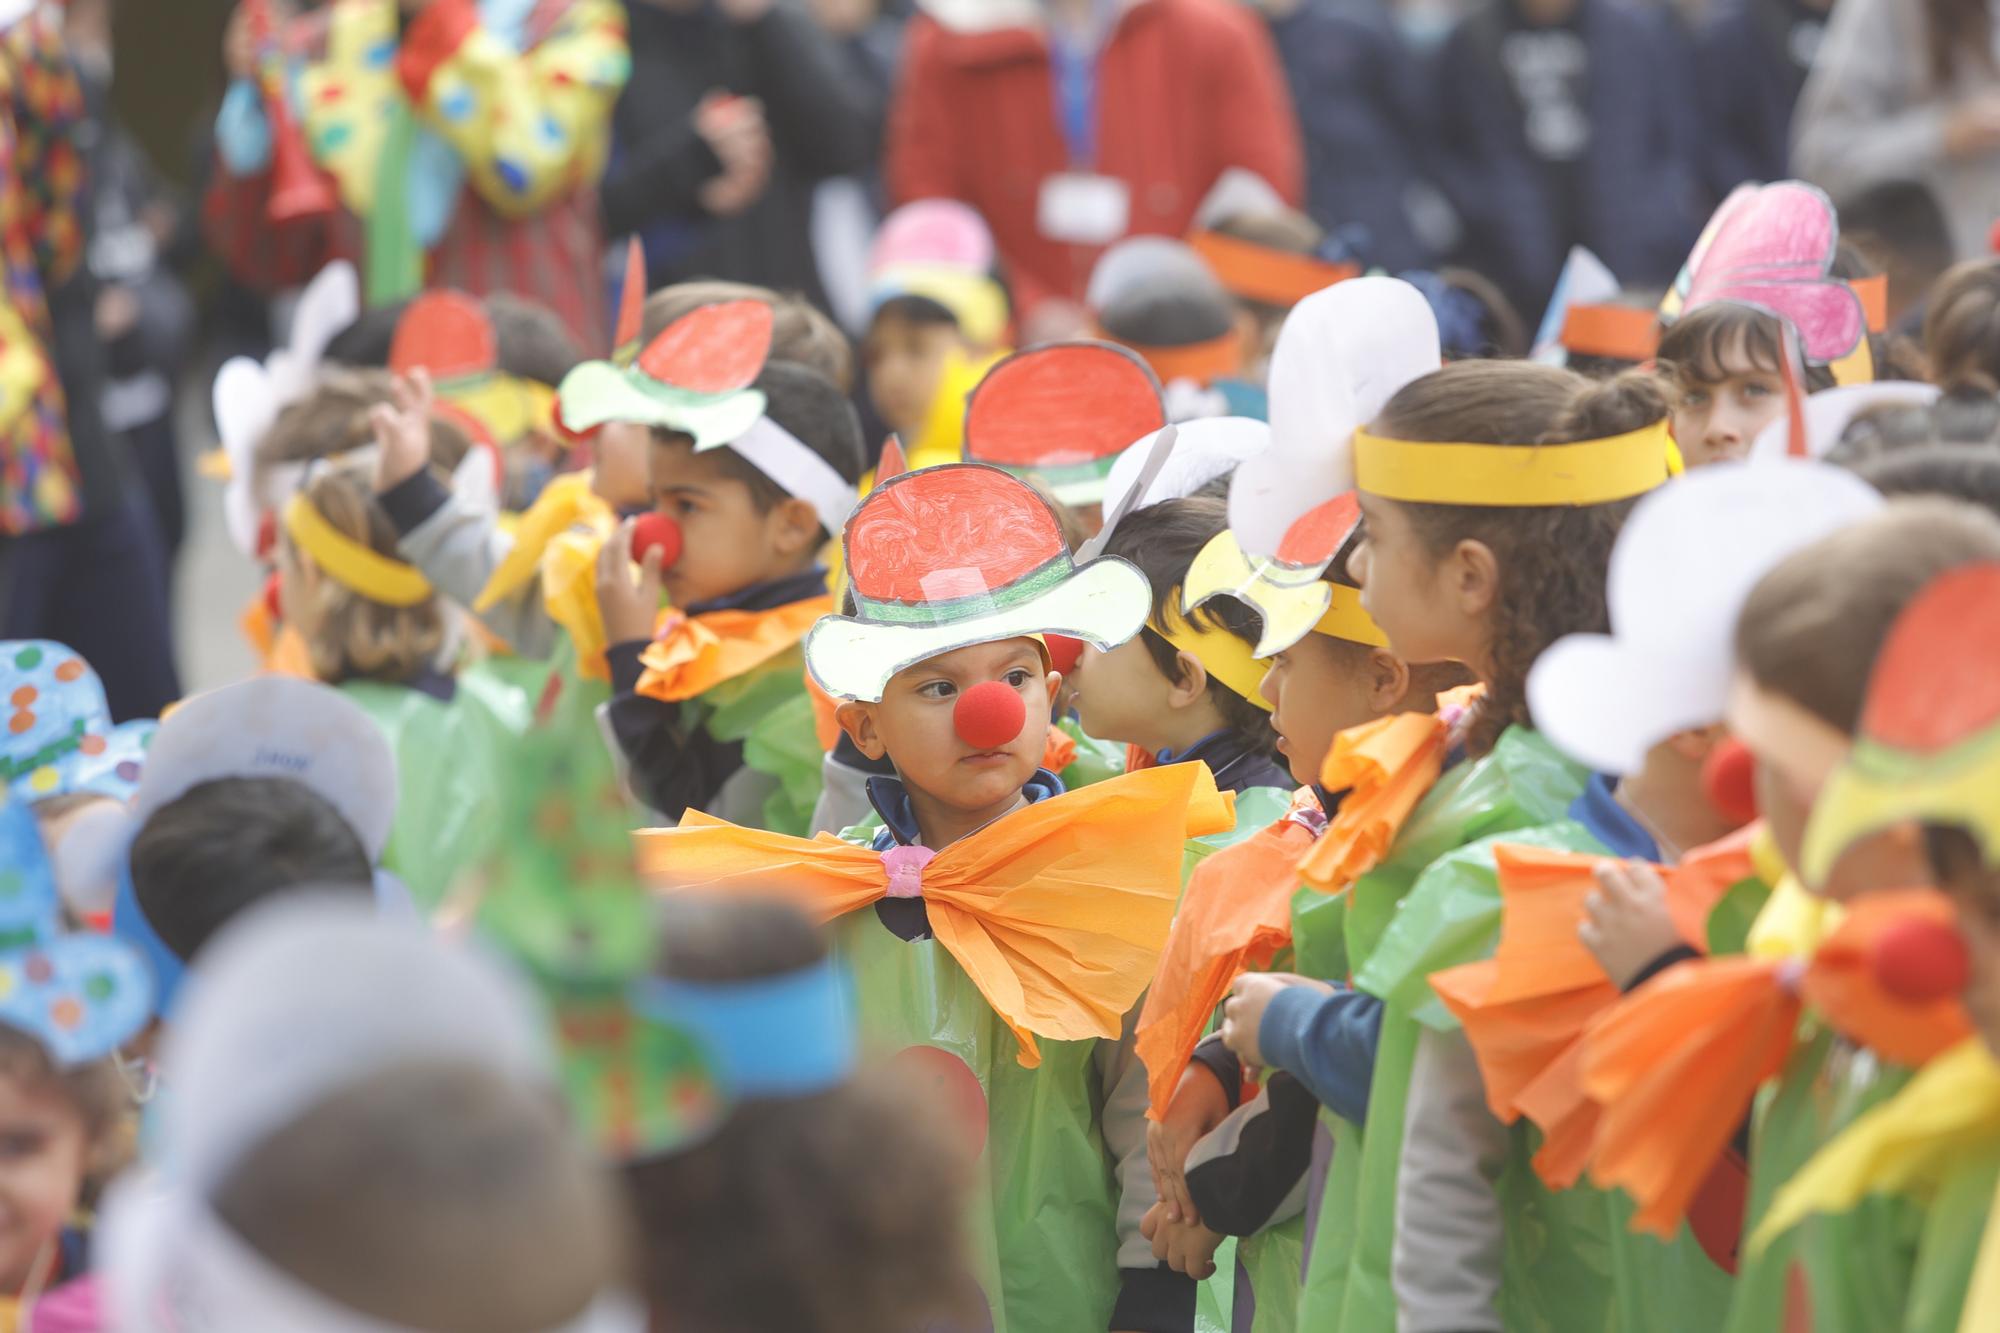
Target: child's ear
{"points": [[1053, 680], [1475, 578], [1388, 680], [1191, 684], [857, 719], [796, 526]]}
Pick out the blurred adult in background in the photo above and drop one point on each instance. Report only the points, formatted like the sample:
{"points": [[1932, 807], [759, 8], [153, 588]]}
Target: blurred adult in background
{"points": [[1071, 123], [736, 109], [1568, 122], [1358, 93], [1908, 90], [869, 37], [466, 158], [80, 554], [1751, 60]]}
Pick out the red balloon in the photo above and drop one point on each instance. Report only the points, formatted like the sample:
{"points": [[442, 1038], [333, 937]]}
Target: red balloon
{"points": [[1063, 652], [1919, 961], [656, 530], [1728, 779], [989, 715]]}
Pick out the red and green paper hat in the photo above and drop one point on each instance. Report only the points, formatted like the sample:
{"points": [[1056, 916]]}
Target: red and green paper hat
{"points": [[951, 556], [449, 335], [1062, 413], [694, 377], [1929, 749]]}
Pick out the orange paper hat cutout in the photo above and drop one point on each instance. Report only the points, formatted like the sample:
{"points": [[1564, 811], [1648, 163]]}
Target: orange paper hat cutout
{"points": [[1255, 272], [446, 333], [631, 300], [1674, 1066], [714, 350], [1204, 362], [1234, 917], [1056, 912], [1934, 683], [1062, 405]]}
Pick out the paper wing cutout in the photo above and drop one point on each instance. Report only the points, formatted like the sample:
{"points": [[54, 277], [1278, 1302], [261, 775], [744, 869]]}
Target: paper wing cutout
{"points": [[1158, 451], [717, 349], [446, 333], [1773, 247], [330, 302]]}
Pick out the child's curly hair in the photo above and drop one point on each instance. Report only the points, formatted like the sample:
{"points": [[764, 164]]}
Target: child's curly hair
{"points": [[1553, 560], [351, 637]]}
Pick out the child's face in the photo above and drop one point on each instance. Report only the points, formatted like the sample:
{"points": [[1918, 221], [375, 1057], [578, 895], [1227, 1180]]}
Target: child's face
{"points": [[905, 362], [1318, 688], [1122, 696], [619, 472], [44, 1152], [1977, 897], [727, 542], [912, 724], [297, 583], [1716, 420], [1432, 609]]}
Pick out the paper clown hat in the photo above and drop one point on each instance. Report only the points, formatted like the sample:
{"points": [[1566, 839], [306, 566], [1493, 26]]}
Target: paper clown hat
{"points": [[941, 250], [1683, 566], [296, 1003], [59, 737], [1772, 247], [1205, 451], [1929, 748], [81, 995], [957, 555], [1341, 355], [450, 335], [1063, 413], [1830, 412]]}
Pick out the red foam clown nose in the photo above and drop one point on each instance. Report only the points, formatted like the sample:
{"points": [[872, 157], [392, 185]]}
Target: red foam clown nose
{"points": [[656, 530], [1919, 961], [989, 715], [1063, 652], [1729, 780]]}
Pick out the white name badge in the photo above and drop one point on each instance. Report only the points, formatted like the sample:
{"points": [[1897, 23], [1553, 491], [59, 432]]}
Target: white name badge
{"points": [[1081, 209]]}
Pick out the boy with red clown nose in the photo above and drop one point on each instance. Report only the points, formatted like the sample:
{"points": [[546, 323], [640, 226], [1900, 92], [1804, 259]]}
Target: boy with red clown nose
{"points": [[1000, 930]]}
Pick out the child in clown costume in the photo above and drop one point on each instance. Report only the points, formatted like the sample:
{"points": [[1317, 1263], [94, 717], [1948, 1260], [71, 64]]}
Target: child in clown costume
{"points": [[1938, 1140], [999, 929], [464, 140]]}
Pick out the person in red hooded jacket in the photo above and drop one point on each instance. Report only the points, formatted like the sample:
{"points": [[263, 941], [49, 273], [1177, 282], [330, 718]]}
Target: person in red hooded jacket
{"points": [[1071, 123]]}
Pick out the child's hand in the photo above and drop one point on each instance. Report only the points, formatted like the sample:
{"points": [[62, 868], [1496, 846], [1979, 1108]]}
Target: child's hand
{"points": [[1185, 1247], [1628, 924], [629, 608], [1199, 1105], [1243, 1011], [403, 431]]}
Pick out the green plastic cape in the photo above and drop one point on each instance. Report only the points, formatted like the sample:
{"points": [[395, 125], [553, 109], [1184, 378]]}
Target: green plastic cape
{"points": [[1095, 760], [447, 759], [1857, 1266], [1522, 783], [768, 711]]}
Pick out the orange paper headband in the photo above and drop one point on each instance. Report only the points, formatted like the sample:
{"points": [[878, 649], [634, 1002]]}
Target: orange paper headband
{"points": [[1622, 333], [1874, 296], [1203, 362], [1259, 273]]}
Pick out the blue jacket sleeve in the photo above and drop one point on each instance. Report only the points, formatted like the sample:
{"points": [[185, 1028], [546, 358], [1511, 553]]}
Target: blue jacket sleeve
{"points": [[1326, 1042]]}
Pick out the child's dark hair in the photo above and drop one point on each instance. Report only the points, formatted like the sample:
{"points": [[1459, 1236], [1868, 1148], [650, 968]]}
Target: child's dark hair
{"points": [[1961, 418], [226, 845], [1163, 540], [333, 420], [1694, 347], [1167, 315], [354, 637], [834, 1212], [531, 341], [921, 311], [817, 414], [96, 1090], [432, 1195], [800, 332], [1961, 472], [1553, 560], [1962, 328], [1810, 629], [1285, 230]]}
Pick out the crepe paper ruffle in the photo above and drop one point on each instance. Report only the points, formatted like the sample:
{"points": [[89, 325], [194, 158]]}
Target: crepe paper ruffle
{"points": [[693, 654]]}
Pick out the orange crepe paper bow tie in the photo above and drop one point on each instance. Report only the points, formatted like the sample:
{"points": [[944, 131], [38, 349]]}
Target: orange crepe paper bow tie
{"points": [[1526, 1009], [1676, 1063], [1385, 767], [1234, 917], [693, 654], [1056, 912]]}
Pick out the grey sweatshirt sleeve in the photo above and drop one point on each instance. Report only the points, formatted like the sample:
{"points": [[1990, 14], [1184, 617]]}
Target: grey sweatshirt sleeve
{"points": [[1868, 114], [1449, 1232], [458, 546]]}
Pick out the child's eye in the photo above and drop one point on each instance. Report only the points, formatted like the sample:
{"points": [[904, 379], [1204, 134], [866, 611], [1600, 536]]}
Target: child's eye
{"points": [[1019, 677], [15, 1144], [1695, 398], [1756, 390], [936, 689]]}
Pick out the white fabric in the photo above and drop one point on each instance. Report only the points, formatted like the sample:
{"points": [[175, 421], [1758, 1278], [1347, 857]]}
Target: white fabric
{"points": [[1205, 450], [1684, 564], [785, 459]]}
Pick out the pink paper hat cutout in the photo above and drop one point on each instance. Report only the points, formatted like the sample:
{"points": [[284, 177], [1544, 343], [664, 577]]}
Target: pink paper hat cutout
{"points": [[941, 232], [1772, 247]]}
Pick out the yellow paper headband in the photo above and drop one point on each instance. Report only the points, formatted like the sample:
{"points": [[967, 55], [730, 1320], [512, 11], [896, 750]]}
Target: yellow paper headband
{"points": [[1513, 476], [364, 572], [1221, 654], [1347, 619]]}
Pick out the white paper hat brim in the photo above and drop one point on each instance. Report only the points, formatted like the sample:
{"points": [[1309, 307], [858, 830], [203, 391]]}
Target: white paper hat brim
{"points": [[1605, 703], [1831, 411], [1104, 603]]}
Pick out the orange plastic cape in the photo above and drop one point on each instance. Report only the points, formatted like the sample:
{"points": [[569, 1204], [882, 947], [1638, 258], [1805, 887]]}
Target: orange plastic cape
{"points": [[1057, 912], [1385, 767], [1675, 1064], [1525, 1010], [693, 654], [1234, 917]]}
